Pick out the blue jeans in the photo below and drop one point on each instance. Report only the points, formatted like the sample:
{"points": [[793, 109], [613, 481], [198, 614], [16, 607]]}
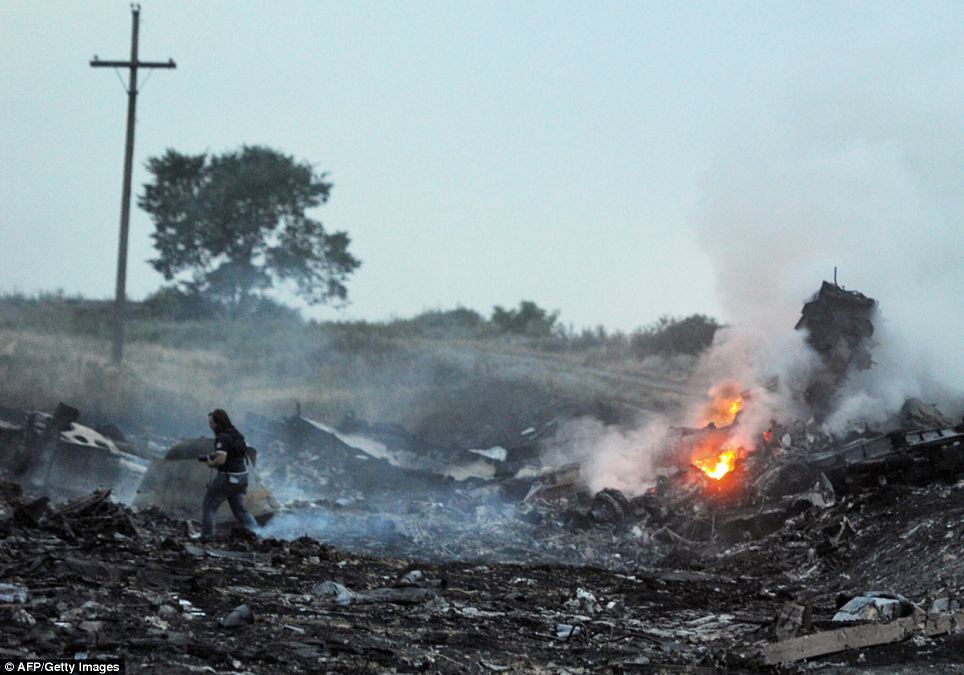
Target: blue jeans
{"points": [[230, 488]]}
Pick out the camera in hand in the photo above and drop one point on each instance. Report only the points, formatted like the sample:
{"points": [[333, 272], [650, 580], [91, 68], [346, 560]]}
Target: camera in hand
{"points": [[204, 458]]}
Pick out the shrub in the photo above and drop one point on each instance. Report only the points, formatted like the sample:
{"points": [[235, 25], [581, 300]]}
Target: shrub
{"points": [[173, 303], [178, 304], [453, 323], [529, 319], [668, 336]]}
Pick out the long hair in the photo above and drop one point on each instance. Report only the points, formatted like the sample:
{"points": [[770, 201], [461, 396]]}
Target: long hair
{"points": [[221, 420]]}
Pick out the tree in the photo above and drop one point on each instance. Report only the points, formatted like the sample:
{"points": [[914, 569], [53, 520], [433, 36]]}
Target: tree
{"points": [[236, 225], [529, 319]]}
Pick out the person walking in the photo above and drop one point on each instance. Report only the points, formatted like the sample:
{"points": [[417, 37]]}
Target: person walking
{"points": [[231, 481]]}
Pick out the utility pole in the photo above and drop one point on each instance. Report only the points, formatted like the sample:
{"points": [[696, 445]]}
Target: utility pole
{"points": [[117, 349]]}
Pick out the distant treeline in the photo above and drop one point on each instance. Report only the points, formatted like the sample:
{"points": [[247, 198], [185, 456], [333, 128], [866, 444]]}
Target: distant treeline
{"points": [[171, 315]]}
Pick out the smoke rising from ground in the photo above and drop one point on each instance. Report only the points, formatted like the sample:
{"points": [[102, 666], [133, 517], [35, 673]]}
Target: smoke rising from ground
{"points": [[772, 368], [901, 370], [610, 456], [859, 168], [768, 371], [857, 165]]}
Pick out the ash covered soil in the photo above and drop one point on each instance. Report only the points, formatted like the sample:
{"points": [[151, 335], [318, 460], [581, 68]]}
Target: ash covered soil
{"points": [[97, 578]]}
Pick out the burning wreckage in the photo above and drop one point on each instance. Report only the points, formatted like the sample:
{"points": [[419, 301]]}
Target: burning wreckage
{"points": [[754, 549]]}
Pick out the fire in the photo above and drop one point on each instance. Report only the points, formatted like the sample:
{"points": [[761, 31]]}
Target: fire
{"points": [[716, 468], [715, 449], [726, 403]]}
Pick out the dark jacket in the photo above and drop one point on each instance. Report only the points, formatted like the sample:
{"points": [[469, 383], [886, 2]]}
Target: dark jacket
{"points": [[232, 442]]}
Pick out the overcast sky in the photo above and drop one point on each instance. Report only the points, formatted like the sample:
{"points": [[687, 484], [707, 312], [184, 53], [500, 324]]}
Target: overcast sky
{"points": [[615, 161]]}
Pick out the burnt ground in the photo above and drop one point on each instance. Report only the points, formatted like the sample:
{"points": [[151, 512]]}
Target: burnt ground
{"points": [[102, 580]]}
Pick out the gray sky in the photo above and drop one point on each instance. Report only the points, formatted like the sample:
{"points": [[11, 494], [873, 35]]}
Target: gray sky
{"points": [[616, 161]]}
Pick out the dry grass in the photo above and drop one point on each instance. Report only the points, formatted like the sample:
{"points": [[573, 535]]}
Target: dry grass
{"points": [[157, 383], [175, 372], [171, 387]]}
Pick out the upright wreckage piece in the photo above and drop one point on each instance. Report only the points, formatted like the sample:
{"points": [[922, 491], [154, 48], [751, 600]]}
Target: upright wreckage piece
{"points": [[839, 325]]}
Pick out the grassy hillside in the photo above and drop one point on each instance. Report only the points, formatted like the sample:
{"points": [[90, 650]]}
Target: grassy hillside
{"points": [[456, 385]]}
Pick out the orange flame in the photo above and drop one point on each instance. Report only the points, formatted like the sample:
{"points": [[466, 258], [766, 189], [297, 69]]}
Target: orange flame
{"points": [[719, 467], [726, 403]]}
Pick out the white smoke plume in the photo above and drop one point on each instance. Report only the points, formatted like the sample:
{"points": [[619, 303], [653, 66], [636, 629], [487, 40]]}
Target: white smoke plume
{"points": [[767, 371], [901, 370], [610, 456], [293, 525], [789, 221], [858, 167], [771, 367], [854, 162]]}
